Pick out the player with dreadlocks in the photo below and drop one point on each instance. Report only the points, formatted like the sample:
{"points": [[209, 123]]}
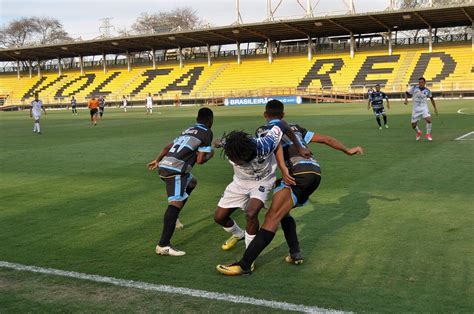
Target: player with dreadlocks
{"points": [[306, 175], [254, 163]]}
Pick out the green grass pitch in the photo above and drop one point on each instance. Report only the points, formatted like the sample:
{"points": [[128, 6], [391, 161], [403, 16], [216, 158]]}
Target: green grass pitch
{"points": [[391, 230]]}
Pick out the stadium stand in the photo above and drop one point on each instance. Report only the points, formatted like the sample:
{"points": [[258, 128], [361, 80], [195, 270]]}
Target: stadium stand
{"points": [[446, 68], [350, 70]]}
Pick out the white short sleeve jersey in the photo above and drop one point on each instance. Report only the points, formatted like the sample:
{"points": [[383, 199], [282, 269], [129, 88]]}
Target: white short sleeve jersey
{"points": [[420, 98], [36, 107]]}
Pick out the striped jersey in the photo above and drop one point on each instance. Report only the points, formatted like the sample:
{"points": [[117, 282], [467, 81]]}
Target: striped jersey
{"points": [[376, 99], [263, 166], [101, 102], [182, 155], [294, 161]]}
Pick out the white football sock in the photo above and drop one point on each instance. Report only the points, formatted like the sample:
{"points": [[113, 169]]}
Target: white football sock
{"points": [[34, 127], [417, 129], [428, 128], [235, 230], [248, 239], [38, 127]]}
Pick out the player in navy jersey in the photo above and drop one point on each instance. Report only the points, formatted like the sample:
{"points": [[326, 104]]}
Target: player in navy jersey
{"points": [[376, 102], [174, 165], [307, 176]]}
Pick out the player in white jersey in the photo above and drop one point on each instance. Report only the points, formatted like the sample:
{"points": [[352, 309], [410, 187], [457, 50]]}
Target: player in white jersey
{"points": [[35, 113], [124, 103], [149, 104], [254, 163], [420, 107]]}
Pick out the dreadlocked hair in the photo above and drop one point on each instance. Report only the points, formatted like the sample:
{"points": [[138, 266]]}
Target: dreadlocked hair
{"points": [[239, 146]]}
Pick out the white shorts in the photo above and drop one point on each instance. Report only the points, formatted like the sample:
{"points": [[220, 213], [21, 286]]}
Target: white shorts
{"points": [[237, 195], [417, 115], [149, 106], [36, 116]]}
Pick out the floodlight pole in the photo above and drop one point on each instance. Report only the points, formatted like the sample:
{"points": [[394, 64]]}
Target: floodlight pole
{"points": [[430, 39], [18, 69], [104, 63], [180, 56], [128, 62], [81, 64], [153, 56], [60, 70], [309, 9], [239, 57], [30, 69], [270, 51], [39, 68], [238, 16], [208, 55], [310, 48], [390, 43], [352, 45]]}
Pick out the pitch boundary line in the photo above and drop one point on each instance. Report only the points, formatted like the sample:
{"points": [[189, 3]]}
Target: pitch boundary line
{"points": [[170, 289], [461, 138], [460, 112]]}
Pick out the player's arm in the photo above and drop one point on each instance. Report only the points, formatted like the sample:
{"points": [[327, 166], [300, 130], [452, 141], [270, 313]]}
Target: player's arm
{"points": [[302, 150], [44, 109], [285, 173], [31, 111], [388, 101], [434, 105], [407, 94], [368, 104], [205, 152], [334, 143], [203, 157], [152, 165]]}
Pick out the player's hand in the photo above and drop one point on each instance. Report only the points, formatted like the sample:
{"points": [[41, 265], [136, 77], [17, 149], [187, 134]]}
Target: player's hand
{"points": [[436, 111], [355, 151], [153, 165], [287, 178], [218, 143], [305, 152]]}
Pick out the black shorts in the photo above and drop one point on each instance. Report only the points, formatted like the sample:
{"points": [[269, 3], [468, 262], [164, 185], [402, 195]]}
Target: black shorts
{"points": [[176, 186], [93, 112], [101, 109], [306, 184], [379, 111]]}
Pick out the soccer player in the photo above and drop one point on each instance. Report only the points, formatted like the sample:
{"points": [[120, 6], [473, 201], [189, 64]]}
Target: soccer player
{"points": [[74, 106], [93, 105], [174, 165], [254, 163], [307, 175], [376, 101], [420, 108], [149, 104], [101, 106], [124, 103], [35, 113]]}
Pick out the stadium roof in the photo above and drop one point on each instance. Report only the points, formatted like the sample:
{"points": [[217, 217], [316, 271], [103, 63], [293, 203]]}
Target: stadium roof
{"points": [[327, 26]]}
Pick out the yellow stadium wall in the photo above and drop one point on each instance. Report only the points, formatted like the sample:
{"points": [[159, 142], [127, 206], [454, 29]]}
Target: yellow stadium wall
{"points": [[447, 68]]}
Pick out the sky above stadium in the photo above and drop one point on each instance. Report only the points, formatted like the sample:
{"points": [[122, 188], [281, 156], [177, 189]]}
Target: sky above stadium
{"points": [[81, 18]]}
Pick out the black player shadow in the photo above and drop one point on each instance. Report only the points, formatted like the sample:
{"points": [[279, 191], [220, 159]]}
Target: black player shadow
{"points": [[323, 221]]}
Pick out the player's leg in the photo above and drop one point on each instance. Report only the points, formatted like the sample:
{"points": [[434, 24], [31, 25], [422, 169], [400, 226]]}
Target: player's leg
{"points": [[377, 118], [414, 125], [288, 225], [251, 214], [282, 203], [191, 185], [222, 216], [37, 123], [385, 120], [175, 188], [429, 126]]}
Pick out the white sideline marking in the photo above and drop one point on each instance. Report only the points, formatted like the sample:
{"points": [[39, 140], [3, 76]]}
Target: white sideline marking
{"points": [[463, 136], [170, 289], [460, 112]]}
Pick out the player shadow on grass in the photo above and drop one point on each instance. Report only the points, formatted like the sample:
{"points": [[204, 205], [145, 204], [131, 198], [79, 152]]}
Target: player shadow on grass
{"points": [[324, 220]]}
